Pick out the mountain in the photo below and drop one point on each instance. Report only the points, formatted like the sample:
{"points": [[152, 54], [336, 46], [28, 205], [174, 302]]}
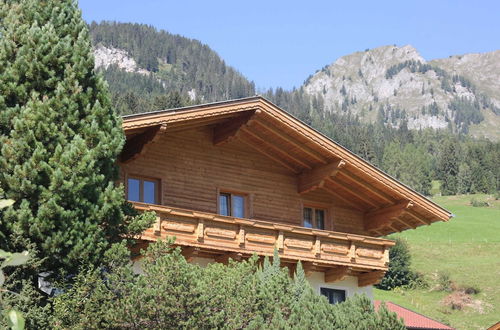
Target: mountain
{"points": [[483, 70], [397, 86], [149, 69]]}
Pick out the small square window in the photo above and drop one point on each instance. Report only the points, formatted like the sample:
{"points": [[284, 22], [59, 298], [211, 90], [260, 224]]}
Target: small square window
{"points": [[334, 296], [314, 218], [143, 190], [232, 204]]}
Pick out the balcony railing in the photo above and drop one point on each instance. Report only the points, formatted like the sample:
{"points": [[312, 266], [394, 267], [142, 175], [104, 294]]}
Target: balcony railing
{"points": [[220, 236]]}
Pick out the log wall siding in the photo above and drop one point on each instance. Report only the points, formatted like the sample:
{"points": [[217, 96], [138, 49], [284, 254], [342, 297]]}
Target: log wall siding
{"points": [[191, 169]]}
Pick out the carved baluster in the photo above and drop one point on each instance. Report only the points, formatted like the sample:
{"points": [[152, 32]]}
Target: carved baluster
{"points": [[385, 257], [241, 237], [352, 251], [280, 242], [200, 231], [157, 226], [317, 247]]}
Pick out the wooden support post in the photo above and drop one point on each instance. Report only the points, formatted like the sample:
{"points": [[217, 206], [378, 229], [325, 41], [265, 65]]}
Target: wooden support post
{"points": [[370, 278], [336, 274], [316, 177]]}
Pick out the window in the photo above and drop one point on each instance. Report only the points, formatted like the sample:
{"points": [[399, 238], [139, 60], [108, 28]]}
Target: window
{"points": [[232, 204], [334, 296], [143, 190], [314, 218]]}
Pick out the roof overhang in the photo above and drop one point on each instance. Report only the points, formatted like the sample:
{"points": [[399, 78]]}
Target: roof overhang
{"points": [[317, 161]]}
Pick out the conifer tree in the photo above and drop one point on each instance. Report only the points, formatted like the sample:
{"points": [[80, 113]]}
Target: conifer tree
{"points": [[59, 139]]}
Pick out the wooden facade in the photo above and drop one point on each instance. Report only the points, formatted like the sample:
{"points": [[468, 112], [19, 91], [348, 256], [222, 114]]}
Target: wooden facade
{"points": [[279, 166]]}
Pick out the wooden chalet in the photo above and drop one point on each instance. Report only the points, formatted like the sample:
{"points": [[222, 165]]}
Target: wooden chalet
{"points": [[234, 178]]}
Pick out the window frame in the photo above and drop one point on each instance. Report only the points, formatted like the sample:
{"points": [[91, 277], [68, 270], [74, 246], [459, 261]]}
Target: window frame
{"points": [[314, 207], [142, 178], [343, 291], [247, 202]]}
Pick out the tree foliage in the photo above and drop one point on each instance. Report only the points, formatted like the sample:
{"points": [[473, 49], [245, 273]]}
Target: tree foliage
{"points": [[399, 272], [173, 294], [59, 141]]}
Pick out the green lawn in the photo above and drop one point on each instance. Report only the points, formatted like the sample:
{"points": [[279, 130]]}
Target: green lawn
{"points": [[468, 249]]}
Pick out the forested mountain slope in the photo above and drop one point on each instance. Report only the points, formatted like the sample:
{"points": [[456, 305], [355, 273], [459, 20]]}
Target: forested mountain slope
{"points": [[142, 64]]}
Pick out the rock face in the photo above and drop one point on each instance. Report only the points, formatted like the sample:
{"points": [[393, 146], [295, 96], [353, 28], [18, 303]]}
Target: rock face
{"points": [[108, 56], [397, 85], [482, 69]]}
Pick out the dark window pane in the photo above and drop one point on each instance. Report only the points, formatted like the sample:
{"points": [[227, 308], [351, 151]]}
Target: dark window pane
{"points": [[333, 296], [238, 206], [149, 192], [308, 217], [133, 190], [224, 200], [320, 219]]}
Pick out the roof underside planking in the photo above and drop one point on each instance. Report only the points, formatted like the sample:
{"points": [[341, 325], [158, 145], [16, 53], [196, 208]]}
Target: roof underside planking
{"points": [[318, 162]]}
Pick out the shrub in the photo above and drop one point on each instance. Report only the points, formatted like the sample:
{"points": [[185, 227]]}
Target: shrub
{"points": [[399, 273], [478, 203], [173, 294]]}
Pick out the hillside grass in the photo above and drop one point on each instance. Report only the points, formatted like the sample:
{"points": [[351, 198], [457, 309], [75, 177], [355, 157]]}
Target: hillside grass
{"points": [[467, 249]]}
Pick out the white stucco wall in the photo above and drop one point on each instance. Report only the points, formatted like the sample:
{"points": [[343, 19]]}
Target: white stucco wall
{"points": [[349, 284]]}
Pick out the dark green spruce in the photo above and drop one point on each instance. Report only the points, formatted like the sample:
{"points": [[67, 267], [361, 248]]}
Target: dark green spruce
{"points": [[59, 141]]}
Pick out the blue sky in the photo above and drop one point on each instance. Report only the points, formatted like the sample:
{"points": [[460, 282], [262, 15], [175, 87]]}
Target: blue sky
{"points": [[280, 43]]}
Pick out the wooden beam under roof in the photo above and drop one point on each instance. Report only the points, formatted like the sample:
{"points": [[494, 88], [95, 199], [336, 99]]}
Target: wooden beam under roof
{"points": [[267, 154], [342, 198], [353, 192], [292, 141], [276, 149], [370, 278], [228, 131], [138, 144], [224, 258], [415, 216], [383, 217], [368, 187], [189, 252], [336, 274], [315, 178]]}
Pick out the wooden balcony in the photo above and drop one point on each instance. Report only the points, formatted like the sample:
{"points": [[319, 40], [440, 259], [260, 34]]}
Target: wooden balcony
{"points": [[202, 234]]}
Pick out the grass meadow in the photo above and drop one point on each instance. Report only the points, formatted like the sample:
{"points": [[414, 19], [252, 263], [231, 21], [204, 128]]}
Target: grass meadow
{"points": [[467, 251]]}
